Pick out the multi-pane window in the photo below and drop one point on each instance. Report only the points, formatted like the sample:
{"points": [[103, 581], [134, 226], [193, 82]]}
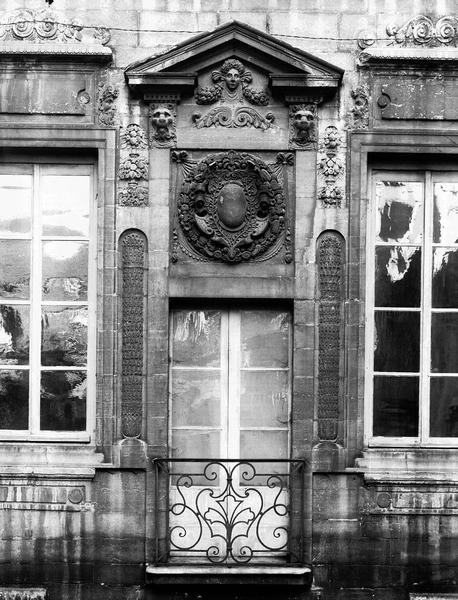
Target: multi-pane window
{"points": [[45, 299], [230, 383], [412, 322]]}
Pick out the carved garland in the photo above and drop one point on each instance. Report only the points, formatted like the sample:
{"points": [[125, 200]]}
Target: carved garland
{"points": [[133, 249], [231, 208], [331, 169], [330, 248], [133, 167]]}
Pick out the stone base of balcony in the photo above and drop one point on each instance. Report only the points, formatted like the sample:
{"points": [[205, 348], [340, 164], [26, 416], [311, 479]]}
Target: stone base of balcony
{"points": [[228, 575]]}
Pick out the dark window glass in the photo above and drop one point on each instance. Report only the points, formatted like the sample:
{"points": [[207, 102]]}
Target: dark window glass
{"points": [[397, 341], [444, 407], [444, 342], [14, 399], [395, 406], [397, 276], [445, 278], [63, 400]]}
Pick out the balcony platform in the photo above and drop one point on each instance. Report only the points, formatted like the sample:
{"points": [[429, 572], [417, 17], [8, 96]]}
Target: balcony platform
{"points": [[228, 575]]}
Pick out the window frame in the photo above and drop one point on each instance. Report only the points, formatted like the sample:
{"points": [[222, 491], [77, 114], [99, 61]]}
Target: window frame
{"points": [[428, 172], [231, 369], [68, 161]]}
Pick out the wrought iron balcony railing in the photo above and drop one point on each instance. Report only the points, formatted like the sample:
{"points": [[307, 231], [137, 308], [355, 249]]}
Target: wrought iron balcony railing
{"points": [[227, 511]]}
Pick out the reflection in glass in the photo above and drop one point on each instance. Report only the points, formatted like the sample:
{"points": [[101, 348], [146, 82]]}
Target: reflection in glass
{"points": [[14, 399], [196, 398], [64, 335], [14, 335], [196, 338], [65, 266], [445, 214], [399, 216], [15, 204], [264, 399], [65, 200], [397, 341], [63, 400], [265, 338], [444, 342], [395, 406], [397, 276], [15, 269], [445, 278], [444, 407]]}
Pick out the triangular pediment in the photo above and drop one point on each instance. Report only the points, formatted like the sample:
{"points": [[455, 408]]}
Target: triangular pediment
{"points": [[290, 70]]}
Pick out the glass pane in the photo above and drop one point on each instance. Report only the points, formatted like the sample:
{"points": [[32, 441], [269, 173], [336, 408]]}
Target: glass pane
{"points": [[196, 338], [64, 335], [397, 341], [65, 205], [196, 398], [396, 406], [397, 276], [265, 338], [399, 215], [264, 399], [15, 204], [445, 278], [63, 400], [265, 444], [65, 266], [14, 399], [444, 343], [444, 407], [445, 224], [14, 268], [192, 443], [14, 335]]}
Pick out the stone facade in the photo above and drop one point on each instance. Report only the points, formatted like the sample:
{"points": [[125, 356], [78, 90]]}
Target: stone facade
{"points": [[320, 92]]}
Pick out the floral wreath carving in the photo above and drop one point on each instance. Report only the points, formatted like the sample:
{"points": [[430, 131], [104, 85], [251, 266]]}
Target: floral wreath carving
{"points": [[231, 207]]}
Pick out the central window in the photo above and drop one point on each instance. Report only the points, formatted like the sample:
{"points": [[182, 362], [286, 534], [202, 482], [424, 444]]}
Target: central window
{"points": [[46, 296], [230, 383], [412, 323]]}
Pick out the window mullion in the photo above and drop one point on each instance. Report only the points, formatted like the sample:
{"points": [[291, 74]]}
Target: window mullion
{"points": [[233, 413], [425, 337], [35, 300]]}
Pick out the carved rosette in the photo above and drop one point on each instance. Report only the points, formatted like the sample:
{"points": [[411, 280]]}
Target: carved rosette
{"points": [[106, 107], [133, 254], [330, 169], [133, 168], [302, 125], [231, 208], [330, 263]]}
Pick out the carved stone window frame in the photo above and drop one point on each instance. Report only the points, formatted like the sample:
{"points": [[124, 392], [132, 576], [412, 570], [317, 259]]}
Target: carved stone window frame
{"points": [[48, 458]]}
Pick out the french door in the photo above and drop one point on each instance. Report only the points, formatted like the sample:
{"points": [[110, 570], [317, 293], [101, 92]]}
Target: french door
{"points": [[229, 432]]}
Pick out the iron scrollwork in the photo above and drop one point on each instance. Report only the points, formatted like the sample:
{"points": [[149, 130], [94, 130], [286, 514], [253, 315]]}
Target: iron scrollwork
{"points": [[230, 512], [232, 209]]}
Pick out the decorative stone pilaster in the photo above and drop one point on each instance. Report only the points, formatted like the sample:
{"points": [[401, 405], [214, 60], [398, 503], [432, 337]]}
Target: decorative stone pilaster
{"points": [[133, 168], [330, 169], [330, 267], [133, 259]]}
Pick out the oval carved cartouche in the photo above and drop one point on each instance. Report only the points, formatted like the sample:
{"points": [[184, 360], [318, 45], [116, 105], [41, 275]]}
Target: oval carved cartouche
{"points": [[232, 205]]}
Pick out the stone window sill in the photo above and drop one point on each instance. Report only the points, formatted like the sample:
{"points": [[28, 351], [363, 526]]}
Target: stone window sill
{"points": [[216, 574], [413, 466]]}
